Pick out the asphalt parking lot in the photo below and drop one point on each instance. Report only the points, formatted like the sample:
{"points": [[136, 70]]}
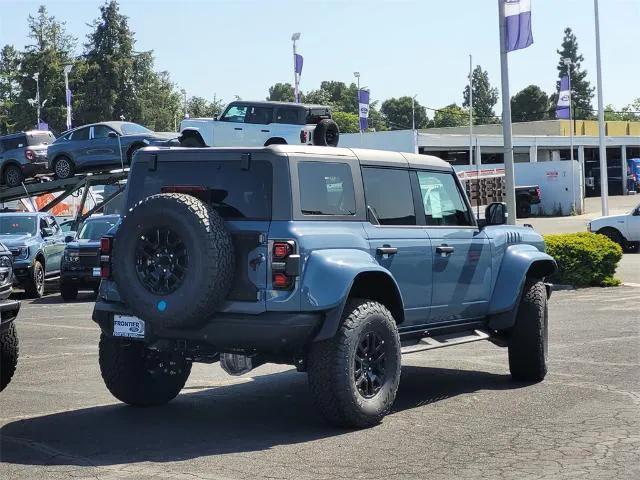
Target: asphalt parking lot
{"points": [[457, 415]]}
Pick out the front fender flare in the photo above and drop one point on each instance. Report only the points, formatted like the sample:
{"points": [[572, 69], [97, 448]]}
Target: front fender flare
{"points": [[518, 263], [327, 280]]}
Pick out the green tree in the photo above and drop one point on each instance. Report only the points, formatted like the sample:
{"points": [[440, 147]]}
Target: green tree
{"points": [[451, 116], [530, 104], [51, 49], [399, 113], [630, 113], [281, 92], [9, 87], [347, 122], [201, 107], [485, 97], [581, 90]]}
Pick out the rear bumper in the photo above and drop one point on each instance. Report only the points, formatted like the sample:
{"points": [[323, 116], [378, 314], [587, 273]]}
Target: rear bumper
{"points": [[31, 169], [79, 277], [268, 332], [8, 312]]}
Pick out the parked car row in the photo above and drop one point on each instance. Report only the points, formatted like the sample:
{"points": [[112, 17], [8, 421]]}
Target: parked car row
{"points": [[96, 147], [42, 252]]}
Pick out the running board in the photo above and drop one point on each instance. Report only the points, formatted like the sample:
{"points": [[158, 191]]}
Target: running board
{"points": [[446, 340]]}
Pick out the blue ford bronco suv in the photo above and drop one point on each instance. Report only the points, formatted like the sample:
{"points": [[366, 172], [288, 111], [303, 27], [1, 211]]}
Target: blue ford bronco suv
{"points": [[337, 261]]}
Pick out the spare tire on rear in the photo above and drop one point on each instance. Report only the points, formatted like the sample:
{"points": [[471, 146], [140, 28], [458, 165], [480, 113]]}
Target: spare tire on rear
{"points": [[173, 260], [326, 133]]}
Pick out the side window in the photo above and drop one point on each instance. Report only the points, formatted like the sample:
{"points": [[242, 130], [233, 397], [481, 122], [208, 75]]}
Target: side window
{"points": [[235, 114], [442, 200], [82, 134], [326, 188], [388, 194], [13, 143], [259, 115], [288, 115], [101, 131], [53, 225]]}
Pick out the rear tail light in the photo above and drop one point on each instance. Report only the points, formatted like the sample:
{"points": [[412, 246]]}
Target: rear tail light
{"points": [[303, 136], [30, 155], [285, 265], [106, 245], [538, 192]]}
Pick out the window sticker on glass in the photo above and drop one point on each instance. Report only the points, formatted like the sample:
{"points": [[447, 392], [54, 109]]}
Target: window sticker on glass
{"points": [[435, 204]]}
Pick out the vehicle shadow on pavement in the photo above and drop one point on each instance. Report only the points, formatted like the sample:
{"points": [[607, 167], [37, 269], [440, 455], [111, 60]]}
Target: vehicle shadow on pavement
{"points": [[56, 299], [256, 415]]}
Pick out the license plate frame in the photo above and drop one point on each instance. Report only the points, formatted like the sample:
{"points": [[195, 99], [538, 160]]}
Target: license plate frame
{"points": [[128, 326]]}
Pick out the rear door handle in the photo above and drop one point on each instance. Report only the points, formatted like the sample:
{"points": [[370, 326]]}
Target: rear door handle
{"points": [[444, 249], [237, 128], [265, 131], [386, 250]]}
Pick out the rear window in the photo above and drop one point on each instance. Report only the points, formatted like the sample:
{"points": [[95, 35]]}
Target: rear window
{"points": [[15, 142], [235, 193], [40, 138], [326, 189], [314, 115]]}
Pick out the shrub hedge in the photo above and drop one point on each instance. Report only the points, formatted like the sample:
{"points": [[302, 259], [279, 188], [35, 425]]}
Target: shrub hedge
{"points": [[584, 259]]}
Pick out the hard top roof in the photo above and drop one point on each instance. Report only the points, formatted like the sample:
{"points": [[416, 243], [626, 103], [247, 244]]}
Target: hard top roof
{"points": [[268, 103], [365, 156]]}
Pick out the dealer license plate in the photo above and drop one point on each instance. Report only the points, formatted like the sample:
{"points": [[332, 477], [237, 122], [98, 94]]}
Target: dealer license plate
{"points": [[96, 271], [128, 326]]}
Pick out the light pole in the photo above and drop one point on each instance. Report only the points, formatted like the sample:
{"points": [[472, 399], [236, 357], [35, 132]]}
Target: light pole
{"points": [[604, 175], [36, 77], [568, 63], [413, 112], [296, 78], [184, 97], [470, 110], [357, 75], [66, 71]]}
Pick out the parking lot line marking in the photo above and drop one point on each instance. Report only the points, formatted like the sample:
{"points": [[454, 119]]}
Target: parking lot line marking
{"points": [[38, 324]]}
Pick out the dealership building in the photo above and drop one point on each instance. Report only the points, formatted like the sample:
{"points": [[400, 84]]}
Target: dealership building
{"points": [[542, 153]]}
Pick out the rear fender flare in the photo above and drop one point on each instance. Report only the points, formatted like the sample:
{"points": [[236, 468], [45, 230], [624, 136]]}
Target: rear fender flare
{"points": [[519, 263], [328, 279]]}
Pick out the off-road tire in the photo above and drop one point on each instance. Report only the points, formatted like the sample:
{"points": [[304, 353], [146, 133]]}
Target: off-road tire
{"points": [[34, 285], [211, 260], [326, 133], [191, 142], [524, 210], [528, 339], [614, 235], [13, 176], [8, 355], [63, 168], [68, 292], [133, 379], [332, 370]]}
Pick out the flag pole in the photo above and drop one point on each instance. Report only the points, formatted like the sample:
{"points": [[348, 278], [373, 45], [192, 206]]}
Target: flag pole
{"points": [[296, 77], [509, 175], [604, 174]]}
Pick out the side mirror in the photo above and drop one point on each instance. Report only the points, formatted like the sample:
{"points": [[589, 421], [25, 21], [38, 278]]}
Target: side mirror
{"points": [[71, 236], [636, 212], [215, 116], [496, 213], [47, 232], [112, 135]]}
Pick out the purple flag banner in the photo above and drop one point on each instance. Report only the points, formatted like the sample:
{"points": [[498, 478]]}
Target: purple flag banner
{"points": [[298, 61], [563, 110], [43, 126], [518, 24], [363, 108]]}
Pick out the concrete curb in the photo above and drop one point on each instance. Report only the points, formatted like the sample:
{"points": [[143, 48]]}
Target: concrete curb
{"points": [[558, 287]]}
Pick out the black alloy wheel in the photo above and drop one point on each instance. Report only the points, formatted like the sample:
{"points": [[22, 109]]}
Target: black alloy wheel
{"points": [[161, 260], [369, 363]]}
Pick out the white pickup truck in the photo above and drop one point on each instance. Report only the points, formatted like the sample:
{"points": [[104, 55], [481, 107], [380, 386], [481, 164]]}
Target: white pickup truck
{"points": [[255, 124], [622, 229]]}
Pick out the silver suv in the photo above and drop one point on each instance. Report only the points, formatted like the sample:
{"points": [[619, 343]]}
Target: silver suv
{"points": [[23, 155]]}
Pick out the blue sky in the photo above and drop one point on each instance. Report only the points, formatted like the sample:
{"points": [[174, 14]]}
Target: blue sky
{"points": [[401, 47]]}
